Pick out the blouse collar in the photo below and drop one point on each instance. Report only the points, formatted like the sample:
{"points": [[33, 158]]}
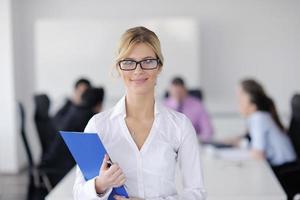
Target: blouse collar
{"points": [[120, 108]]}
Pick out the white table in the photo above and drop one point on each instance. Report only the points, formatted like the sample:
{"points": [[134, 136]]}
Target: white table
{"points": [[63, 190], [235, 176], [227, 176]]}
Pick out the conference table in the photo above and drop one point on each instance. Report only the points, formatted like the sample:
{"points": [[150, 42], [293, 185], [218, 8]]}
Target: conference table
{"points": [[229, 174]]}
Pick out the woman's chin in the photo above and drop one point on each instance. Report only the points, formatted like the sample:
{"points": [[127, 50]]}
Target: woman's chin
{"points": [[140, 90]]}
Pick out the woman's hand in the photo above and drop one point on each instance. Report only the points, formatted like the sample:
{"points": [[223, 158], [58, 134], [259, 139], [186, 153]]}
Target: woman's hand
{"points": [[109, 176], [257, 154], [117, 197]]}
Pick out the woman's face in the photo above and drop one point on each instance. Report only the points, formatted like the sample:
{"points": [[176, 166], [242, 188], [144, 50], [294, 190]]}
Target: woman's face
{"points": [[140, 81], [246, 107]]}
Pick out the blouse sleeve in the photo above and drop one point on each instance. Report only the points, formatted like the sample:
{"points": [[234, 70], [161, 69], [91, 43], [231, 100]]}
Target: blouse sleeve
{"points": [[258, 132], [190, 164]]}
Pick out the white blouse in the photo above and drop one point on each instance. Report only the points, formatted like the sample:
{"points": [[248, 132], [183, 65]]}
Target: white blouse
{"points": [[150, 171]]}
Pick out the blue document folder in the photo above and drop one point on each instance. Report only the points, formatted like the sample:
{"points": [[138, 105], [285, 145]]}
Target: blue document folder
{"points": [[88, 152]]}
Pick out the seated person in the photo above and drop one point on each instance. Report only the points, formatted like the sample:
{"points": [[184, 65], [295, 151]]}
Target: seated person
{"points": [[269, 139], [78, 115], [80, 87], [58, 157], [180, 100]]}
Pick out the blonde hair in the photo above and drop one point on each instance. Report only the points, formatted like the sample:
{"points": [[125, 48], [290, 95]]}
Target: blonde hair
{"points": [[137, 35]]}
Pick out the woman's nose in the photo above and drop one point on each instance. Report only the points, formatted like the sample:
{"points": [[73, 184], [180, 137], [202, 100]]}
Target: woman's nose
{"points": [[138, 68]]}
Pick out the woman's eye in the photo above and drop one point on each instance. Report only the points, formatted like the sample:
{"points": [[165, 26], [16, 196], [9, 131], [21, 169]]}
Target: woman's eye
{"points": [[148, 61], [127, 62]]}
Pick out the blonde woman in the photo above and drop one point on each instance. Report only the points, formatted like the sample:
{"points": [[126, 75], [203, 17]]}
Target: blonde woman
{"points": [[143, 138]]}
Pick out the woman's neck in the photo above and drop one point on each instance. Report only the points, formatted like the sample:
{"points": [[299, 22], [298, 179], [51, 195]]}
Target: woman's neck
{"points": [[140, 106]]}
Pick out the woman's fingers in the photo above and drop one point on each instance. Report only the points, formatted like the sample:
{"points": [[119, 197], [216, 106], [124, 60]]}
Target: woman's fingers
{"points": [[113, 169], [117, 173], [120, 181], [104, 165], [118, 178], [117, 197]]}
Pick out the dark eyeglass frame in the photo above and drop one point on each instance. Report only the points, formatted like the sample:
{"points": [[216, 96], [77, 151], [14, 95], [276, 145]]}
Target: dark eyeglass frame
{"points": [[139, 63]]}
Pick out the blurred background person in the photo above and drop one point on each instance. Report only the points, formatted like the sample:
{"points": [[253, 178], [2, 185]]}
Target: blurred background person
{"points": [[180, 100], [81, 85], [58, 161], [78, 115], [268, 136], [269, 139], [44, 123]]}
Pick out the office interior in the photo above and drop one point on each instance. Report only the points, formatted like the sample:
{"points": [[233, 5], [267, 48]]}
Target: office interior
{"points": [[45, 46]]}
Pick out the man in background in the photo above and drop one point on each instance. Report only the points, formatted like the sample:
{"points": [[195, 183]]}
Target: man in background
{"points": [[58, 156], [180, 100], [80, 87]]}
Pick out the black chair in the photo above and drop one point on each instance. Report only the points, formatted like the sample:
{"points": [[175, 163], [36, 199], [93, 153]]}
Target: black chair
{"points": [[193, 92], [44, 123], [37, 178], [289, 176], [196, 93], [294, 129]]}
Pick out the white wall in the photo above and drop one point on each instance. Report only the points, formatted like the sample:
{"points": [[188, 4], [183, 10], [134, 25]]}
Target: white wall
{"points": [[8, 124], [25, 77], [237, 39], [251, 39], [17, 79]]}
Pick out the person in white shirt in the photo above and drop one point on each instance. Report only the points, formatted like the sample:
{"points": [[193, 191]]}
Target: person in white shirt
{"points": [[268, 137], [144, 139]]}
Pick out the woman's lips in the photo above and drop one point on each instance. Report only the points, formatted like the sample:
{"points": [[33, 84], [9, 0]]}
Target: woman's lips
{"points": [[140, 80]]}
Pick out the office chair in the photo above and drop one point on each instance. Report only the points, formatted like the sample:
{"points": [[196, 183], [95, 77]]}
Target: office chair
{"points": [[196, 93], [37, 178], [294, 129], [193, 92], [44, 124], [290, 176]]}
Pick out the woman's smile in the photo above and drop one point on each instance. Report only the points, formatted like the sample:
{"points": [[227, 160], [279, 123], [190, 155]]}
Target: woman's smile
{"points": [[139, 81]]}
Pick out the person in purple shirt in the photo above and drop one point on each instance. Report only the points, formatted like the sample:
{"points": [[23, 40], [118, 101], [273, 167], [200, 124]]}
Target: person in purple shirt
{"points": [[180, 100]]}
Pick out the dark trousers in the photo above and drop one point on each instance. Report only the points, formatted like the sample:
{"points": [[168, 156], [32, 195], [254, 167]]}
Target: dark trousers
{"points": [[288, 175]]}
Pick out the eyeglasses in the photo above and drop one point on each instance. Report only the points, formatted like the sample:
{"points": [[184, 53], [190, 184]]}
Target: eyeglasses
{"points": [[146, 64]]}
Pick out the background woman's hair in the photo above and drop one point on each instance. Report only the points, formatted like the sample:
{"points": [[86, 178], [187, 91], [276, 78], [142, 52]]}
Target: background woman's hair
{"points": [[137, 35], [262, 101]]}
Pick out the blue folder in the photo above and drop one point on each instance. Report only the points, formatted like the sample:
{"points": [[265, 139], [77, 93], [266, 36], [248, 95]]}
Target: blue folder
{"points": [[88, 152]]}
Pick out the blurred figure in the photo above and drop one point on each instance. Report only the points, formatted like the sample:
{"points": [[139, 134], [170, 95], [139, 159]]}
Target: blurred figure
{"points": [[58, 161], [80, 87], [294, 129], [78, 115], [269, 139], [180, 100], [44, 123]]}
